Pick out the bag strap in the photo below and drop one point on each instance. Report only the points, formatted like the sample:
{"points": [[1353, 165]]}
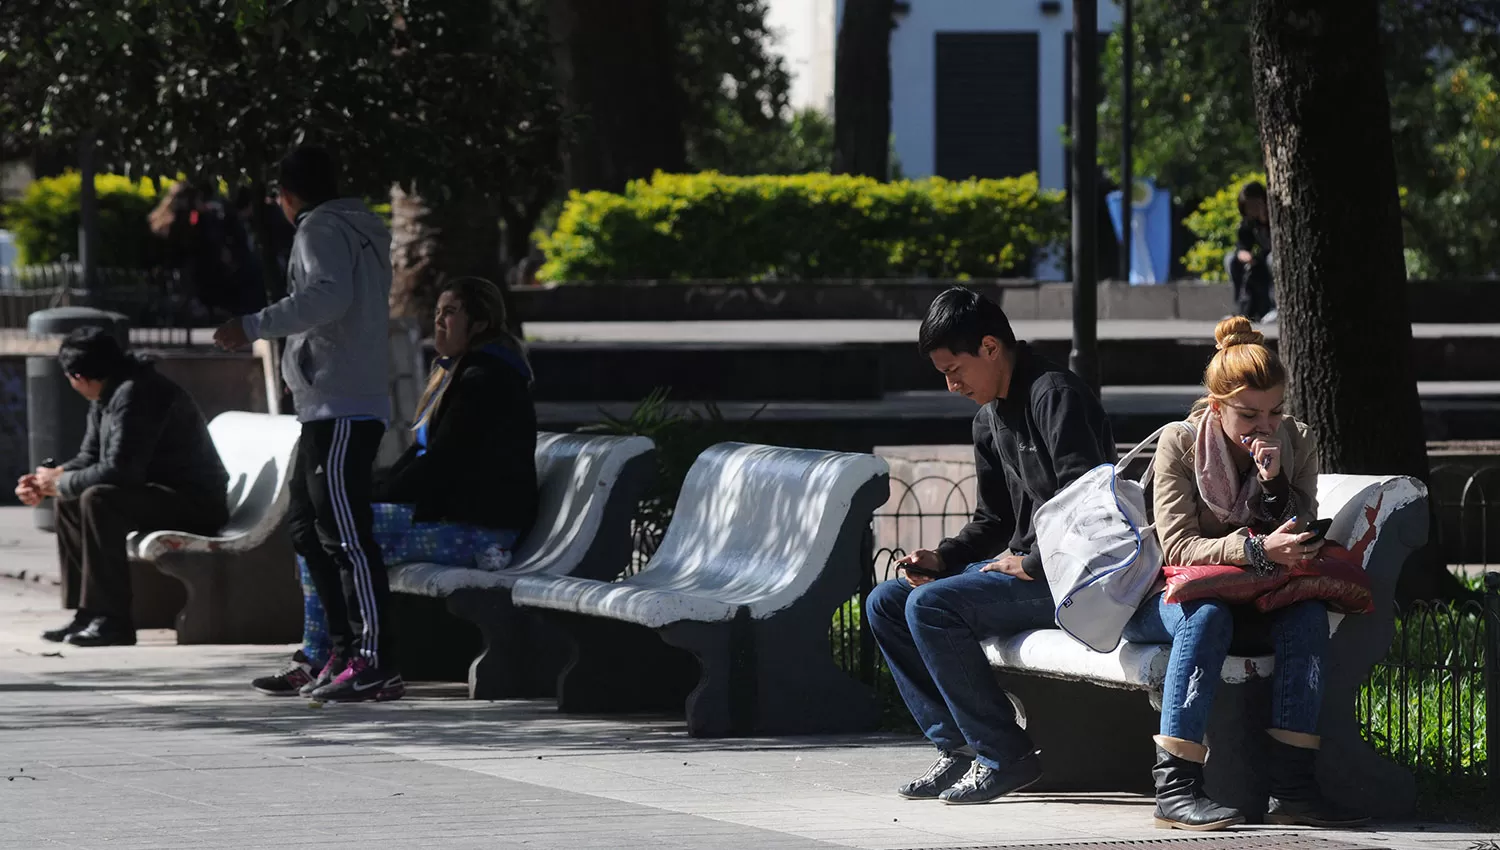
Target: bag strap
{"points": [[1124, 461]]}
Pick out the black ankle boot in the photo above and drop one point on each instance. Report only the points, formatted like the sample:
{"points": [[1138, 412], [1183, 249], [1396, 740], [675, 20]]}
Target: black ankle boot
{"points": [[1180, 801], [1295, 798]]}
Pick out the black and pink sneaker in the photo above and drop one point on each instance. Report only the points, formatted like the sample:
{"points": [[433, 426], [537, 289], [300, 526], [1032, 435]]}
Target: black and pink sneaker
{"points": [[361, 682], [290, 680], [330, 671]]}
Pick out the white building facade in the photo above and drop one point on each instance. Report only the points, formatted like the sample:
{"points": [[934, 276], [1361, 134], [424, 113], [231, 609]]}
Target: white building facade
{"points": [[978, 87]]}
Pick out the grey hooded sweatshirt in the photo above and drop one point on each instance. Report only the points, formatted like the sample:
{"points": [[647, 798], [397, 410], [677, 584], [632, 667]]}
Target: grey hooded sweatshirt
{"points": [[335, 315]]}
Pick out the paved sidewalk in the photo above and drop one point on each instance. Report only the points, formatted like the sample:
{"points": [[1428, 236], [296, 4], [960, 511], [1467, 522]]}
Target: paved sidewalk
{"points": [[161, 746]]}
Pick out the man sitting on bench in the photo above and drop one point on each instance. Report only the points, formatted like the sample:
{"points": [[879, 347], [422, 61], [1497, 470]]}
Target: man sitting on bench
{"points": [[1039, 427], [147, 463]]}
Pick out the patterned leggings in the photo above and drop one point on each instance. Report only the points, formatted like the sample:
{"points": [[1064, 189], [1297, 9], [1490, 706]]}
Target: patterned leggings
{"points": [[402, 541]]}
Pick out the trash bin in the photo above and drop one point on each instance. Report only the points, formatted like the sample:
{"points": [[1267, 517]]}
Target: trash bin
{"points": [[1151, 231], [56, 415]]}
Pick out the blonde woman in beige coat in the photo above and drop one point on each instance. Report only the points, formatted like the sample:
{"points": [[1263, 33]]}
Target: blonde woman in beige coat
{"points": [[1235, 485]]}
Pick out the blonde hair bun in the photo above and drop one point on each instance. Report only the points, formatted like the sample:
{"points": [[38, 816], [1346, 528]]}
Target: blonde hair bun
{"points": [[1236, 330]]}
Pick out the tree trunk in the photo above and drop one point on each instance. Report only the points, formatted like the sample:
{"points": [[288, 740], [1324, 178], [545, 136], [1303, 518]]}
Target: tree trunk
{"points": [[615, 72], [862, 89], [1324, 117], [433, 243]]}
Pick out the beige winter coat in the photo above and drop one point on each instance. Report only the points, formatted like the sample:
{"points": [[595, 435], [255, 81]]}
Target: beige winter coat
{"points": [[1190, 532]]}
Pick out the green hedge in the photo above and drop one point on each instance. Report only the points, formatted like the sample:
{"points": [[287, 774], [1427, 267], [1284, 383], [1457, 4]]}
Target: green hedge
{"points": [[45, 220], [709, 226]]}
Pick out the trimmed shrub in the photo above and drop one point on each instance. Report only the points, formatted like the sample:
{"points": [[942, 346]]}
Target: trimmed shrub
{"points": [[712, 227], [45, 220]]}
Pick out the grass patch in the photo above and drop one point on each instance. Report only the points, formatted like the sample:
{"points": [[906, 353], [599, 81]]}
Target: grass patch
{"points": [[1424, 706], [848, 653]]}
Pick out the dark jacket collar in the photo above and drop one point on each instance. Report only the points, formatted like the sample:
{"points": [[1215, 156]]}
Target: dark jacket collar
{"points": [[135, 368], [491, 350], [1023, 372]]}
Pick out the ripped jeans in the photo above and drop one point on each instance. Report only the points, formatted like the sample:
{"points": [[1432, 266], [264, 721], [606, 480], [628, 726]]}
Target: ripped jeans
{"points": [[1200, 633]]}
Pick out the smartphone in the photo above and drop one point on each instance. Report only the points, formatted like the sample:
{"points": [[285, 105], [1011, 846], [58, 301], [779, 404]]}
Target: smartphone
{"points": [[918, 571], [1319, 528]]}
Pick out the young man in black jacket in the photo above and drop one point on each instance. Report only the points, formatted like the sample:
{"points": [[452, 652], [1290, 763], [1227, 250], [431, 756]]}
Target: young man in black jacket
{"points": [[147, 462], [1039, 428]]}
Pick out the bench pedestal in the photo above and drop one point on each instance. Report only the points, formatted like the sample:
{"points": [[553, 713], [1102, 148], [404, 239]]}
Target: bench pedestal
{"points": [[616, 667], [238, 597], [521, 655], [1091, 738]]}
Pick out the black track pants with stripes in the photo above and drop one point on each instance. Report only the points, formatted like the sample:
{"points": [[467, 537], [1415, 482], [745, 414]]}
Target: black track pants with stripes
{"points": [[331, 524]]}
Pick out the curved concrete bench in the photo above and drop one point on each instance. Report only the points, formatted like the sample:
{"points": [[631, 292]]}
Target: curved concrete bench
{"points": [[765, 544], [588, 490], [1054, 679], [242, 584]]}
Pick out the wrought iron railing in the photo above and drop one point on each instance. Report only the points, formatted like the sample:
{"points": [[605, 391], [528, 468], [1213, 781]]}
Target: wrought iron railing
{"points": [[1429, 704], [158, 302]]}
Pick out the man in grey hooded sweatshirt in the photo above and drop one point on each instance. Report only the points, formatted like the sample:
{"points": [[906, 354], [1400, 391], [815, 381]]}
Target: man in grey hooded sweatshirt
{"points": [[335, 364]]}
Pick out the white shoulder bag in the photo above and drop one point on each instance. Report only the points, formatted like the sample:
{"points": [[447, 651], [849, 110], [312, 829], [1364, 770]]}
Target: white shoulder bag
{"points": [[1099, 551]]}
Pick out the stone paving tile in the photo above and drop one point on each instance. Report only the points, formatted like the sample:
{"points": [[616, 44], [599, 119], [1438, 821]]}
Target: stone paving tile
{"points": [[167, 748]]}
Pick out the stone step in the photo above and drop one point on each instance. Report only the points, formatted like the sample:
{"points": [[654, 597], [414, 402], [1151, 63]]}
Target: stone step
{"points": [[815, 370]]}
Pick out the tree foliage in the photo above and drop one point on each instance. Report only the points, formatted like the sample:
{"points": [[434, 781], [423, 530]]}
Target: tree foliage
{"points": [[1194, 117], [1195, 122], [224, 88]]}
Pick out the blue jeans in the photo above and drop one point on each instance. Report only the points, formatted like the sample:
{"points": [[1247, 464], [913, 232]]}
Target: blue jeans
{"points": [[930, 636], [1200, 633]]}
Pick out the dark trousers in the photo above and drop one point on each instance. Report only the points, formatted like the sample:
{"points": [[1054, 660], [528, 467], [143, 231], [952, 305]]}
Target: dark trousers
{"points": [[91, 533], [1254, 286], [930, 636], [332, 527]]}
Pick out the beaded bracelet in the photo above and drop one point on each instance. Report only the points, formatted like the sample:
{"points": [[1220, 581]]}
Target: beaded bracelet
{"points": [[1255, 553]]}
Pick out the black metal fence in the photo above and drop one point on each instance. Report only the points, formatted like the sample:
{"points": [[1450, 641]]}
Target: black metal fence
{"points": [[158, 302], [1429, 704]]}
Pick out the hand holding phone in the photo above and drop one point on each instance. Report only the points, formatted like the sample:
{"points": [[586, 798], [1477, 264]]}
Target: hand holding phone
{"points": [[1319, 529]]}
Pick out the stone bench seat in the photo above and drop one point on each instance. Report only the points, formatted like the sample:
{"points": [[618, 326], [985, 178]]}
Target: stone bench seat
{"points": [[589, 487], [731, 616], [1062, 689], [644, 606], [241, 584], [1132, 666]]}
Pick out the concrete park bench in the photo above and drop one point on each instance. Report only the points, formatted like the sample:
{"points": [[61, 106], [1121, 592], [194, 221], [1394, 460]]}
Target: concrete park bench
{"points": [[241, 584], [1096, 735], [589, 489], [732, 613]]}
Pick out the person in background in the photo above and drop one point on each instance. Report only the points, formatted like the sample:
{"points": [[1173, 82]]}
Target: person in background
{"points": [[465, 492], [147, 462], [208, 246], [1038, 429], [1229, 488], [336, 364], [1250, 265]]}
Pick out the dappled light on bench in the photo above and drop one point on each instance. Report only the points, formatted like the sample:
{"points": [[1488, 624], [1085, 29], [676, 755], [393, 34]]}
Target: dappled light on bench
{"points": [[765, 543], [588, 488]]}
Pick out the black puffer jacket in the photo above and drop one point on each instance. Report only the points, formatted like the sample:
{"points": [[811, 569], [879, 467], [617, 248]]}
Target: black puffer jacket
{"points": [[145, 429], [479, 467]]}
